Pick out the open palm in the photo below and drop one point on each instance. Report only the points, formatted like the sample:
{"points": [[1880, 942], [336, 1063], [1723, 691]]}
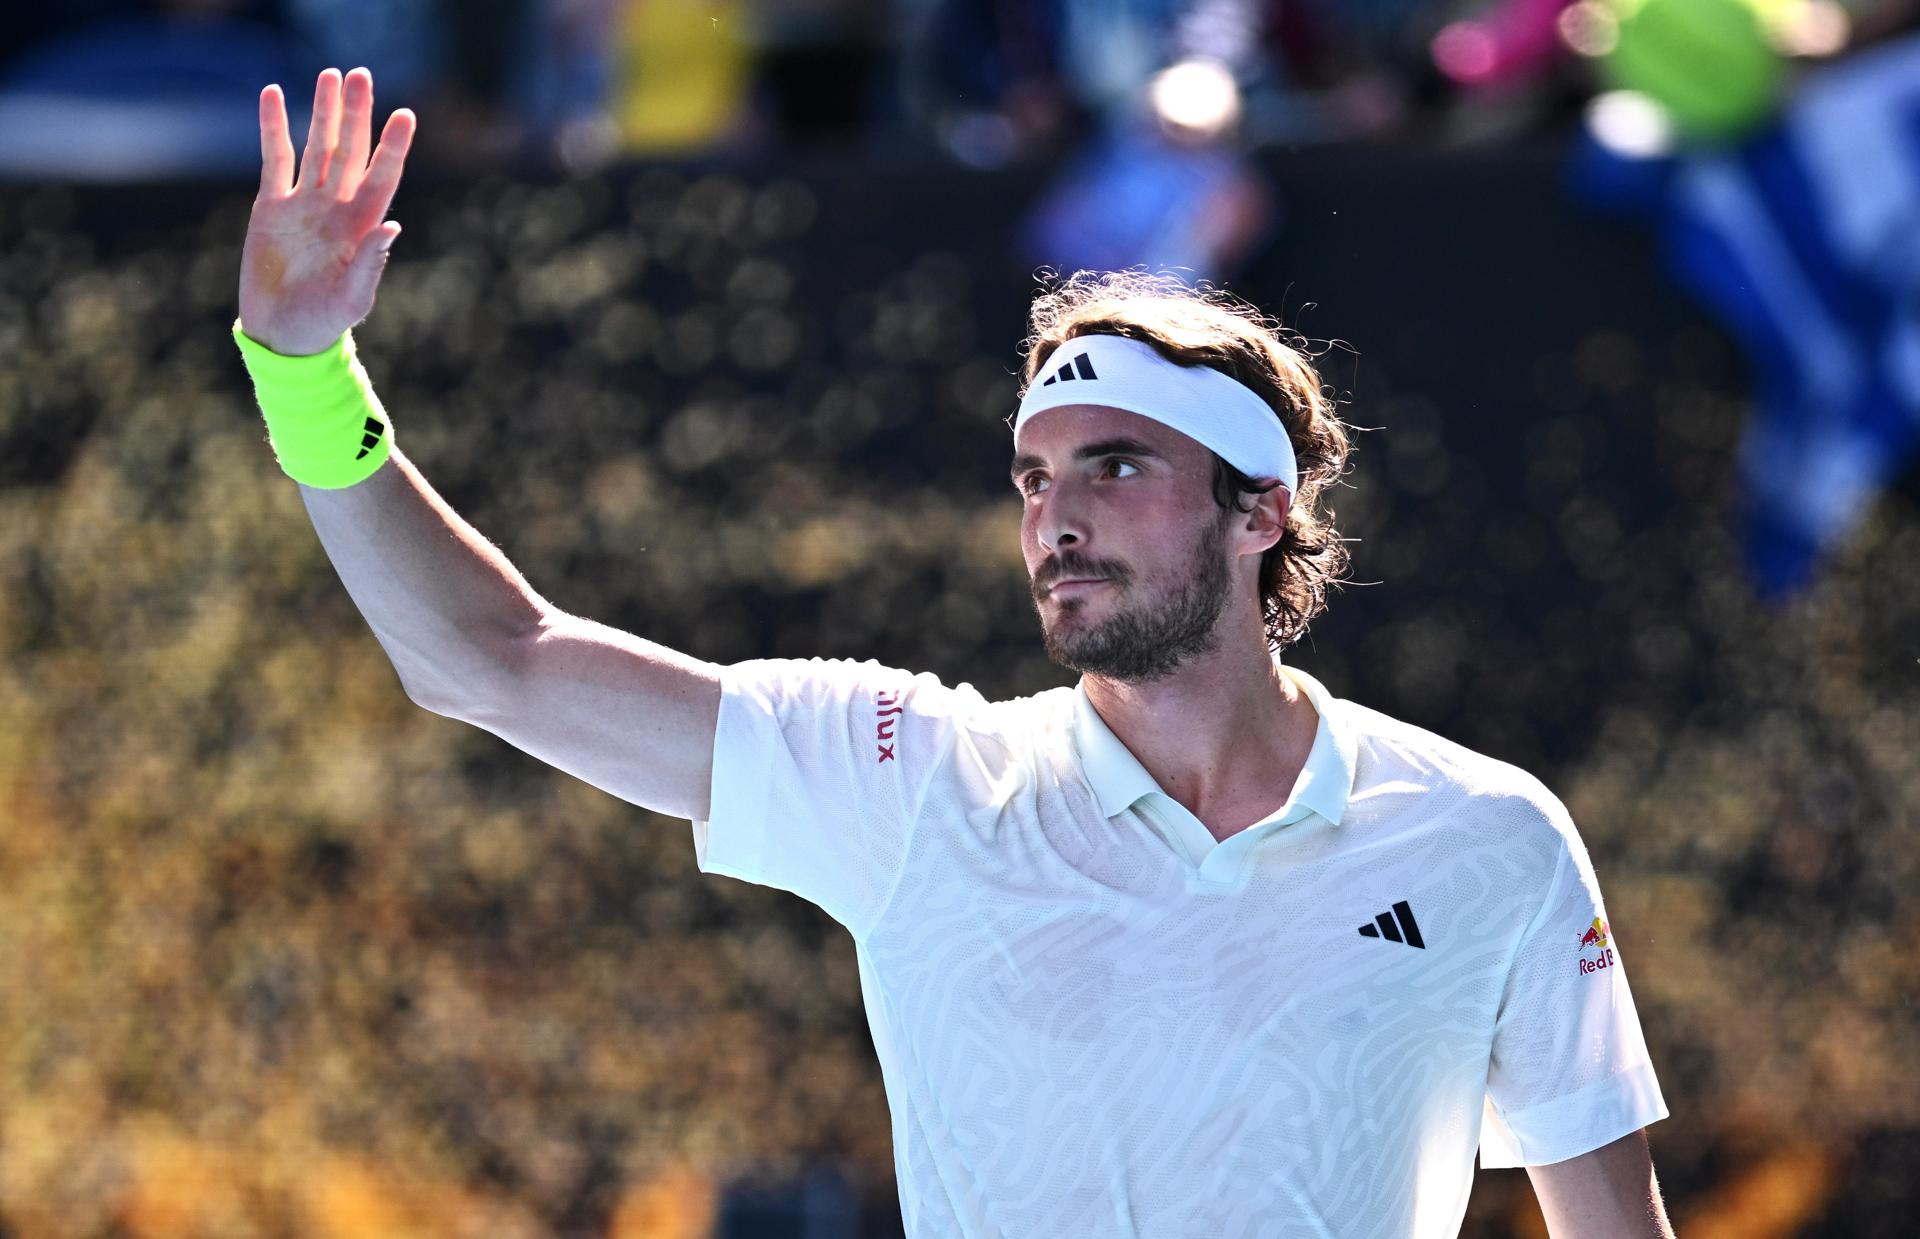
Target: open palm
{"points": [[316, 245]]}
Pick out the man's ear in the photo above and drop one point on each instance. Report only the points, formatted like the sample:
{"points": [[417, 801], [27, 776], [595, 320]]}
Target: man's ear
{"points": [[1266, 524]]}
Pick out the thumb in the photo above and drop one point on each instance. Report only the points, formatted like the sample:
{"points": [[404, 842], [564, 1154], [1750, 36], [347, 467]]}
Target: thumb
{"points": [[363, 272]]}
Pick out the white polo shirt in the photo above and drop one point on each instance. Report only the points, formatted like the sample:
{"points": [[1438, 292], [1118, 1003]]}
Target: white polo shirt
{"points": [[1094, 1020]]}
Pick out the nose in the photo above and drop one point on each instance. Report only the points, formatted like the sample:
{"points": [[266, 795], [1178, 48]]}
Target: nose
{"points": [[1062, 522]]}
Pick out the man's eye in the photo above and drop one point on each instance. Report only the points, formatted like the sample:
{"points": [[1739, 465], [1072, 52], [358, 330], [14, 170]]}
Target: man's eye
{"points": [[1032, 484], [1115, 463]]}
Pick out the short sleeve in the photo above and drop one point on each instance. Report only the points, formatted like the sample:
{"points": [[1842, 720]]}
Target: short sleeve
{"points": [[819, 770], [1569, 1070]]}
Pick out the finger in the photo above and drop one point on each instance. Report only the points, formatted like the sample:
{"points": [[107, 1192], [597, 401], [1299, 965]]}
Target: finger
{"points": [[363, 272], [383, 174], [323, 131], [276, 147], [356, 133]]}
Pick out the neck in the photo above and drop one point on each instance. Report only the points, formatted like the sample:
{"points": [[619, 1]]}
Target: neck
{"points": [[1226, 735]]}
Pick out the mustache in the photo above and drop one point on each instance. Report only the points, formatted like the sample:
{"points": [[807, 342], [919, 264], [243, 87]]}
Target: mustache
{"points": [[1071, 566]]}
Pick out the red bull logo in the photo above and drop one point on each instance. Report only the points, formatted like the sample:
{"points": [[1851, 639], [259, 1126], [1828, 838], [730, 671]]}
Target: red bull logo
{"points": [[1595, 938]]}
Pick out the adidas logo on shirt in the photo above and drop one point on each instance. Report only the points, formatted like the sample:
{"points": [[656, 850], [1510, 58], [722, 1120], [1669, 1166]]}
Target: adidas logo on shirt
{"points": [[1406, 931], [1067, 373]]}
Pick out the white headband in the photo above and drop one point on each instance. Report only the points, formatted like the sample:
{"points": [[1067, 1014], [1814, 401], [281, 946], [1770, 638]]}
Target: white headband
{"points": [[1198, 401]]}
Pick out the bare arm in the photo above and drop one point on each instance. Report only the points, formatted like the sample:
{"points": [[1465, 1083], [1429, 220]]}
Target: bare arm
{"points": [[468, 636], [471, 640], [1610, 1193]]}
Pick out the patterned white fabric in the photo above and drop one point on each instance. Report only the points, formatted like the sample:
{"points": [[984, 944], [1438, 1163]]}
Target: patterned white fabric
{"points": [[1094, 1020]]}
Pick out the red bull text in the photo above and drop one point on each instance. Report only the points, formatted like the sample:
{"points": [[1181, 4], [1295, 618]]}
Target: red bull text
{"points": [[1596, 937]]}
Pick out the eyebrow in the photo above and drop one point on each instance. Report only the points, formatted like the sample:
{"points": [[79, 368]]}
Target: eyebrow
{"points": [[1090, 451]]}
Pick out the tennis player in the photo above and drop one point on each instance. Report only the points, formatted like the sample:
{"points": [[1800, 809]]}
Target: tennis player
{"points": [[1193, 948]]}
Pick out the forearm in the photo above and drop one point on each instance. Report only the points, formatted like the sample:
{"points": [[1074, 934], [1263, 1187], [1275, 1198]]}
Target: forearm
{"points": [[446, 605], [1610, 1193]]}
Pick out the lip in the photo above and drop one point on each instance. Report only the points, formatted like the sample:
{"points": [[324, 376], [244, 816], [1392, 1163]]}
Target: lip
{"points": [[1075, 587]]}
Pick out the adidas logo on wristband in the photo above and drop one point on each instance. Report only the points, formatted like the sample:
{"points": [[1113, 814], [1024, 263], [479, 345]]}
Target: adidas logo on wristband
{"points": [[371, 439]]}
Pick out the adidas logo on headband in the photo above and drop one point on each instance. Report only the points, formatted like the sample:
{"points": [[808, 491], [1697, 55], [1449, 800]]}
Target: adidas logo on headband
{"points": [[1207, 405], [1067, 375]]}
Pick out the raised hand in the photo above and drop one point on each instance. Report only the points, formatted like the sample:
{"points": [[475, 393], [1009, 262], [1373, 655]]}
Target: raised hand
{"points": [[316, 245]]}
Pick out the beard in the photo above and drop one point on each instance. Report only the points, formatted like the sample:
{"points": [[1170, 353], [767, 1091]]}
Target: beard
{"points": [[1151, 639]]}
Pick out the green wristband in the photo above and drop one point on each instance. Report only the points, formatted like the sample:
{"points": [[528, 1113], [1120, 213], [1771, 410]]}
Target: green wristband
{"points": [[326, 425]]}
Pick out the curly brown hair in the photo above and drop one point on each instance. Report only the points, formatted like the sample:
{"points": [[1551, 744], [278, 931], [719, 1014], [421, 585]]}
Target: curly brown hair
{"points": [[1204, 326]]}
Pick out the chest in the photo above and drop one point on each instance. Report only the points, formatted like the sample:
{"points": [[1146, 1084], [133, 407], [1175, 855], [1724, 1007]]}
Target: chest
{"points": [[1085, 980], [1062, 936]]}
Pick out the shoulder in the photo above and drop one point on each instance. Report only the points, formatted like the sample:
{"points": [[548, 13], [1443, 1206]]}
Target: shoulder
{"points": [[825, 682], [1401, 765], [871, 688]]}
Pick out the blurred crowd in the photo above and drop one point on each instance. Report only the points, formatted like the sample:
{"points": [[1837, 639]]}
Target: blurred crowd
{"points": [[1145, 117], [118, 89]]}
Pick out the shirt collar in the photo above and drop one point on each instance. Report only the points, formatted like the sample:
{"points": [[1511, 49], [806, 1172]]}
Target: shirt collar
{"points": [[1118, 779]]}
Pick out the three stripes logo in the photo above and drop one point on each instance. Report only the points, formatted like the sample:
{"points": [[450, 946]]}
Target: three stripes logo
{"points": [[371, 439], [1079, 368], [1406, 930]]}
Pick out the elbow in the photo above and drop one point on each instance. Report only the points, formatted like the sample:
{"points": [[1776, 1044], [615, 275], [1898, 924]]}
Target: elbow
{"points": [[427, 688], [432, 698], [473, 687]]}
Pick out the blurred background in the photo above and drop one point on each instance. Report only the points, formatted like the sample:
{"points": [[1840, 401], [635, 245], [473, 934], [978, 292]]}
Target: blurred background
{"points": [[708, 313]]}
